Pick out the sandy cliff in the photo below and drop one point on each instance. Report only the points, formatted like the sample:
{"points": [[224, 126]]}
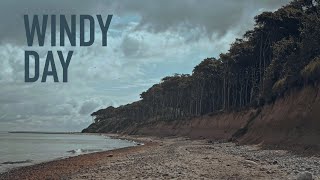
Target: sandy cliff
{"points": [[292, 119]]}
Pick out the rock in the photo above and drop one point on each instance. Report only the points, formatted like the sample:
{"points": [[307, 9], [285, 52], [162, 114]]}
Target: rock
{"points": [[269, 172], [263, 169], [211, 142], [304, 176], [110, 155], [308, 169], [275, 162], [250, 162]]}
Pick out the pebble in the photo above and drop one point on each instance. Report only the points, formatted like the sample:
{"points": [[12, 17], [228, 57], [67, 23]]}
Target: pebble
{"points": [[251, 162], [285, 161], [275, 162], [305, 176], [263, 169]]}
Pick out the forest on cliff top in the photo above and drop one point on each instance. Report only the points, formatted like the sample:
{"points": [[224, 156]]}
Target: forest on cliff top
{"points": [[282, 52]]}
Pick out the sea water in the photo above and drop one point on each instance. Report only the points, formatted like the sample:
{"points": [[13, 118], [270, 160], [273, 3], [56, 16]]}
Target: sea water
{"points": [[23, 149]]}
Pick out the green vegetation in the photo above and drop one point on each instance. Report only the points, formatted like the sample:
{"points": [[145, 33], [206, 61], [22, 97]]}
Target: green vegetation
{"points": [[282, 52]]}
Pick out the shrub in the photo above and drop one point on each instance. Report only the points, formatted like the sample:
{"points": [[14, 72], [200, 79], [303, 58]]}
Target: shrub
{"points": [[311, 72], [280, 86]]}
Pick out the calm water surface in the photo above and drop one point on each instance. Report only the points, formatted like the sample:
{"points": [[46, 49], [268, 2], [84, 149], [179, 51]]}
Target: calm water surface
{"points": [[22, 149]]}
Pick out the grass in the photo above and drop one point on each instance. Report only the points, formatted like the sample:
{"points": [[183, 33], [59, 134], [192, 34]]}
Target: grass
{"points": [[280, 86], [311, 72]]}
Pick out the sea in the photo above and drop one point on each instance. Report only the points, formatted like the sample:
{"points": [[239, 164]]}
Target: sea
{"points": [[27, 148]]}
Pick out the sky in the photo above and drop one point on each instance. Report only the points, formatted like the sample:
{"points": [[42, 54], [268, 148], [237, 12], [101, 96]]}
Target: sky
{"points": [[147, 40]]}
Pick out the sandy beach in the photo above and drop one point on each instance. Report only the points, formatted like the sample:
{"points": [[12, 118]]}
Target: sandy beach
{"points": [[175, 158]]}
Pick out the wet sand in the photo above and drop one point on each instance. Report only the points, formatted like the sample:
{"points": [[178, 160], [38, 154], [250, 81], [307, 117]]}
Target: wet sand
{"points": [[174, 158]]}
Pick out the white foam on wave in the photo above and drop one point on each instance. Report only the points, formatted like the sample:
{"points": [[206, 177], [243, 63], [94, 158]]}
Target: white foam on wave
{"points": [[82, 151]]}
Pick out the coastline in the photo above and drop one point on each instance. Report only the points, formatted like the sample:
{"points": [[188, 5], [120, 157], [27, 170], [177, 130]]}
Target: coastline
{"points": [[62, 168], [174, 157]]}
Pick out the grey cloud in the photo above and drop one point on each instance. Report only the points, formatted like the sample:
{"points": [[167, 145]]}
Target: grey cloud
{"points": [[88, 107], [61, 110], [130, 46], [213, 15], [5, 118]]}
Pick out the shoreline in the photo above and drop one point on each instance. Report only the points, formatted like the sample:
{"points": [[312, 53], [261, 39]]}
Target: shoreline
{"points": [[64, 167], [174, 157], [44, 163]]}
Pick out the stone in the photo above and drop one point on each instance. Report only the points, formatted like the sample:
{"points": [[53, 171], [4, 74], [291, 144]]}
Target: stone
{"points": [[250, 162], [275, 162], [308, 169], [304, 176]]}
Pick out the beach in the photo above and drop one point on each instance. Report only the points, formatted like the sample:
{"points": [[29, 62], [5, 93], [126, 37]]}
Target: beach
{"points": [[175, 158]]}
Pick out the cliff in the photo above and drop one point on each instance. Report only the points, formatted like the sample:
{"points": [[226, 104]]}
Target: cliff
{"points": [[292, 120]]}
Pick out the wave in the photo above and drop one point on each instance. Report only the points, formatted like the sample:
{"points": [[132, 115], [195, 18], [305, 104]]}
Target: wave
{"points": [[80, 151], [17, 162]]}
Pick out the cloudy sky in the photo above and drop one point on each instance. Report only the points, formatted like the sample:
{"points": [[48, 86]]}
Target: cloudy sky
{"points": [[147, 40]]}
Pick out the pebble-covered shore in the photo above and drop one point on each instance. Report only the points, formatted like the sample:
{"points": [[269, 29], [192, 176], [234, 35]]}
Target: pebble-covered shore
{"points": [[177, 158]]}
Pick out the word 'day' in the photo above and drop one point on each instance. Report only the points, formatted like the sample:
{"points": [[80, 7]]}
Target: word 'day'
{"points": [[49, 67]]}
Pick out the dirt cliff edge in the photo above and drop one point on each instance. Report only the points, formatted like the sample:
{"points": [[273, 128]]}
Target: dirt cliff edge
{"points": [[293, 119]]}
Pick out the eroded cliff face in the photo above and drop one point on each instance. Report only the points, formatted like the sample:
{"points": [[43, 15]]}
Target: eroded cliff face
{"points": [[293, 119], [220, 126]]}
